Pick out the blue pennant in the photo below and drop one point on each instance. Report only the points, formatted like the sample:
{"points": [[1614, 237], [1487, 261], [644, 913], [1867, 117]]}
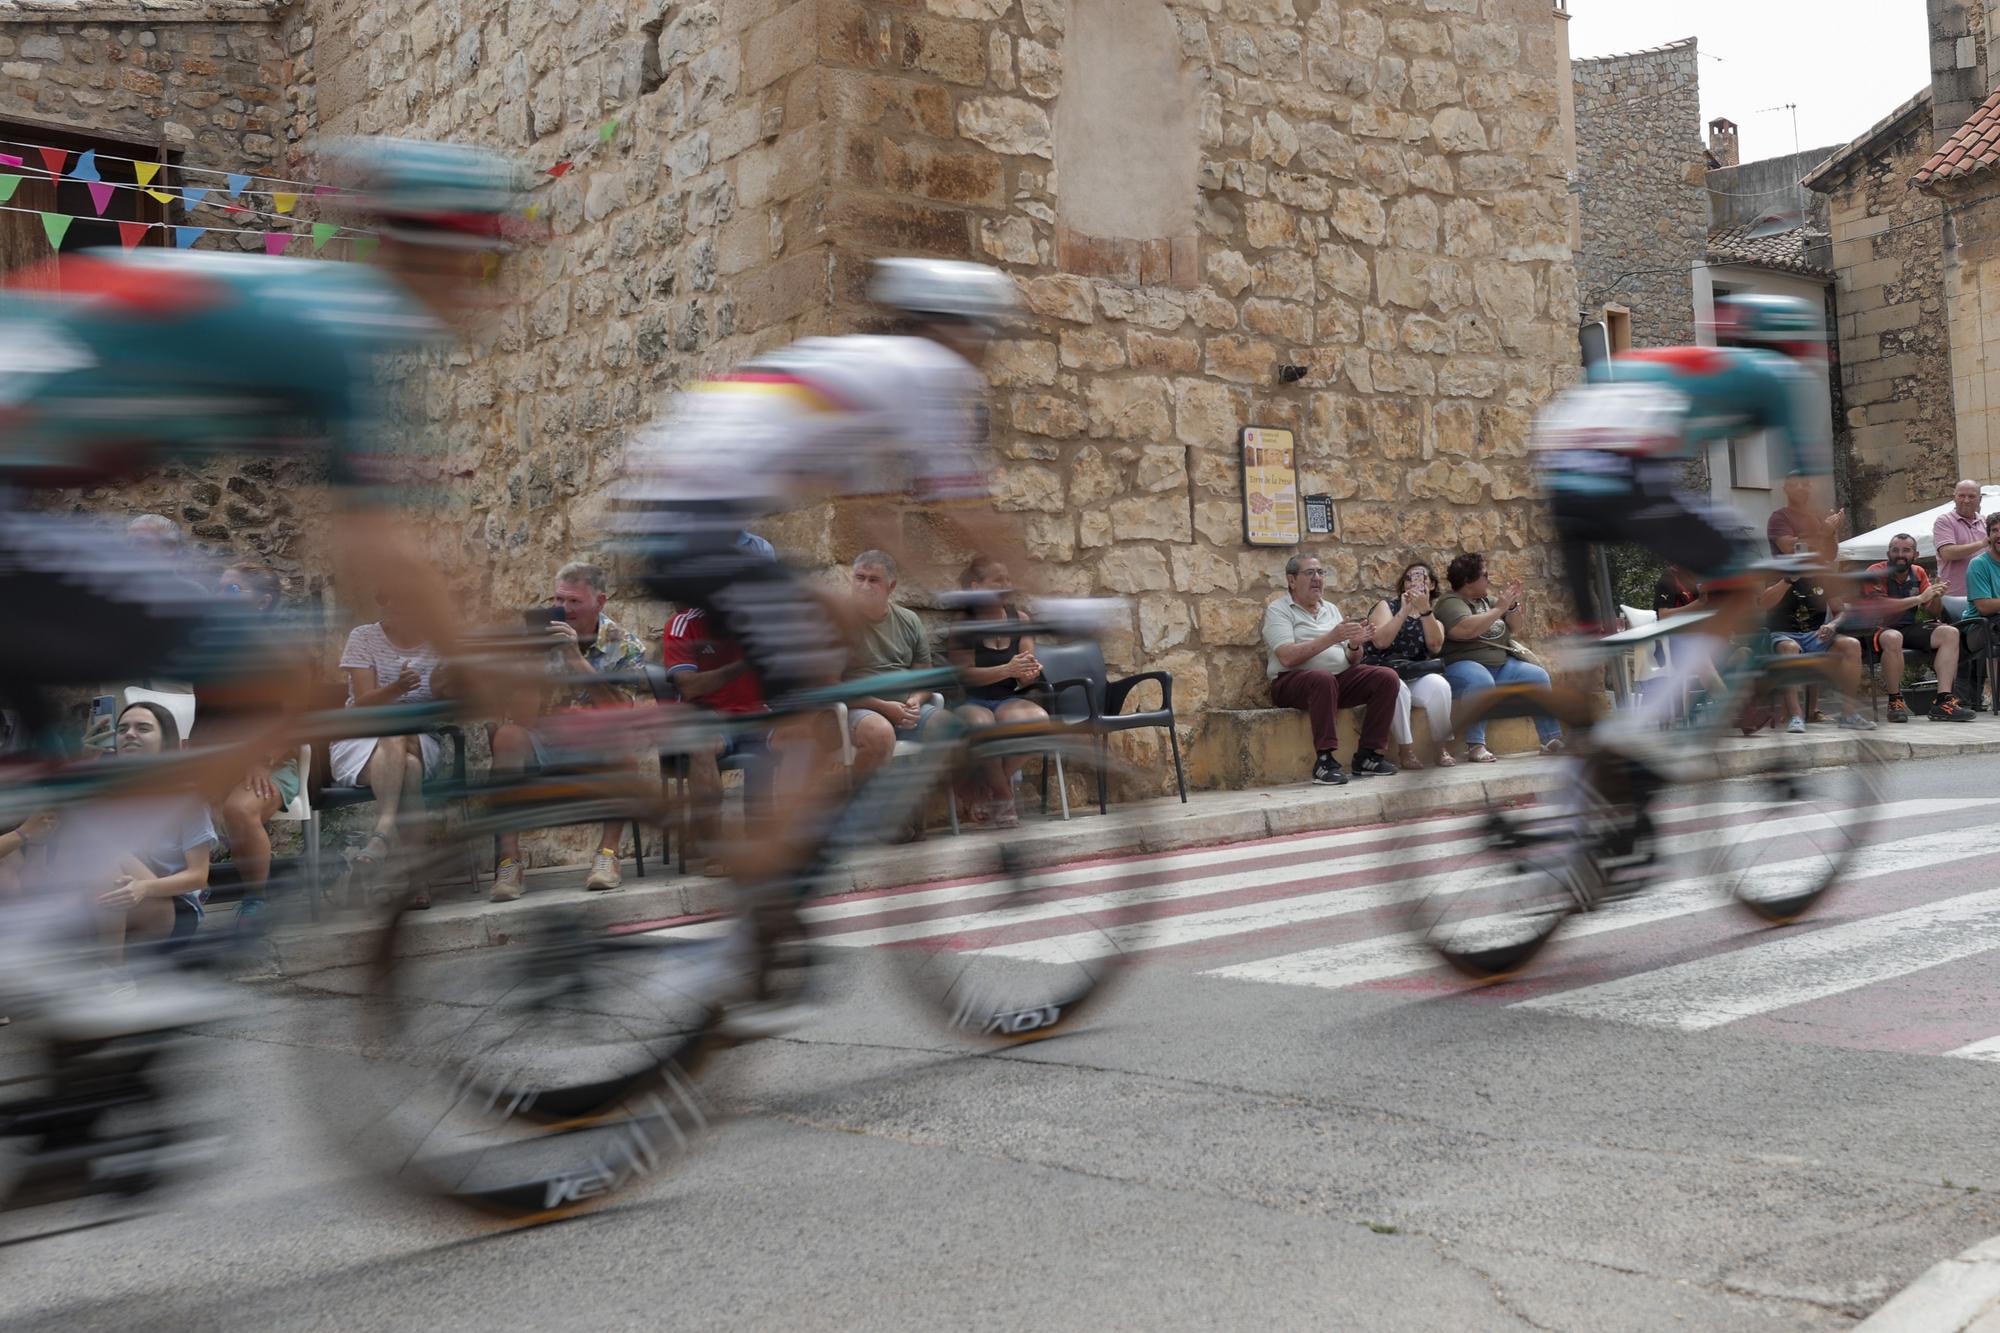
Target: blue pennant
{"points": [[236, 184], [185, 237], [86, 167], [192, 195]]}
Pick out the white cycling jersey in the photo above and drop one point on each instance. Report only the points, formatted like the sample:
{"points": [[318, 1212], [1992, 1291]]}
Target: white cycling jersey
{"points": [[856, 415]]}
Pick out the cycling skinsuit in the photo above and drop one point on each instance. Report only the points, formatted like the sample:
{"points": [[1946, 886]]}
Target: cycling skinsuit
{"points": [[1611, 454], [859, 415]]}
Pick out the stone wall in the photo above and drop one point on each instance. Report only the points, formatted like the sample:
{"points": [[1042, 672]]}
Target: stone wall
{"points": [[1379, 201], [1641, 164], [200, 83], [1895, 431], [1971, 270]]}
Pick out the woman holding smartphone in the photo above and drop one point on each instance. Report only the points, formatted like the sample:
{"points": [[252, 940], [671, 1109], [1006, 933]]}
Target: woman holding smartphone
{"points": [[387, 663]]}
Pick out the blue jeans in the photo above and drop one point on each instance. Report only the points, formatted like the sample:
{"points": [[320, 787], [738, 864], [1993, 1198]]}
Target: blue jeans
{"points": [[1467, 677]]}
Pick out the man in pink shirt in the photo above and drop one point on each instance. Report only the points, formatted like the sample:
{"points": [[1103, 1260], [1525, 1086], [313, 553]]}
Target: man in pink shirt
{"points": [[1959, 534]]}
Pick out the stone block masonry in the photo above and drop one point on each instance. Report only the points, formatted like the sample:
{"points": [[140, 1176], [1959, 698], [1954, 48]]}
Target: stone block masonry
{"points": [[1640, 166]]}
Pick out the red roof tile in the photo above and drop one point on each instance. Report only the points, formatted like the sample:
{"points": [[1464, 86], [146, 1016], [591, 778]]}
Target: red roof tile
{"points": [[1973, 147], [1787, 251]]}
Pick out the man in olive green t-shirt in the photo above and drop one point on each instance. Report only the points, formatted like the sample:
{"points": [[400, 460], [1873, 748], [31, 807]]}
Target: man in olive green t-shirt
{"points": [[888, 638]]}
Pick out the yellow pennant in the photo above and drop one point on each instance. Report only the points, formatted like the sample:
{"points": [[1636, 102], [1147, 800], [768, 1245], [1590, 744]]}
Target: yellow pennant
{"points": [[283, 202], [145, 171], [161, 195]]}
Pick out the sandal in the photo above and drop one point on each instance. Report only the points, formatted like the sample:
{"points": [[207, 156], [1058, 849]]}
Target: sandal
{"points": [[368, 856], [1479, 754], [1555, 746], [1445, 760], [1408, 758]]}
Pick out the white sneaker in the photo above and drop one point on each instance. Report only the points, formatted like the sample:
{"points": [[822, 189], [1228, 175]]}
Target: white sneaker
{"points": [[507, 884], [603, 871], [1797, 726]]}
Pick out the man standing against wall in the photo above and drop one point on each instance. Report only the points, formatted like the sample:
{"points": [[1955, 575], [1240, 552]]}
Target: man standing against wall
{"points": [[1959, 534]]}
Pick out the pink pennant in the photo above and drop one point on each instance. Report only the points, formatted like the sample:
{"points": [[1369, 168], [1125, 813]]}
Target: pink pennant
{"points": [[100, 195], [276, 241], [54, 159], [9, 160]]}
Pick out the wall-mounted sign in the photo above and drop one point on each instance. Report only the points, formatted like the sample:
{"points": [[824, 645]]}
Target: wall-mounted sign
{"points": [[1319, 515], [1270, 487]]}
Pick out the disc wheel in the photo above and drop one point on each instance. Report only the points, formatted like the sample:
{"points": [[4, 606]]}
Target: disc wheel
{"points": [[1018, 954], [1491, 903]]}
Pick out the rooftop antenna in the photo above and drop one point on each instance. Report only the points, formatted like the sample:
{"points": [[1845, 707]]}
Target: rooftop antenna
{"points": [[1792, 107]]}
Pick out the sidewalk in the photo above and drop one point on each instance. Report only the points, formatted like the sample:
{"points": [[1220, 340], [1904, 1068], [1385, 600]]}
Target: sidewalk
{"points": [[460, 921]]}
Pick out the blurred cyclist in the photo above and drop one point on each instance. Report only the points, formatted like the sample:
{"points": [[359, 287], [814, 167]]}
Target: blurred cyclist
{"points": [[866, 415], [1611, 455]]}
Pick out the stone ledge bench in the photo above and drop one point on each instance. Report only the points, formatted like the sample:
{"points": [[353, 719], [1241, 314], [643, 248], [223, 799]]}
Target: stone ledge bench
{"points": [[1247, 748]]}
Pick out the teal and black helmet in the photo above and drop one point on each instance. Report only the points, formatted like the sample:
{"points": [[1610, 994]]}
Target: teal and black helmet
{"points": [[1782, 323], [445, 194]]}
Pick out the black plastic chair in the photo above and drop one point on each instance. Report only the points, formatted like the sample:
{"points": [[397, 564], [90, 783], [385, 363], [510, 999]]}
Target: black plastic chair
{"points": [[1084, 694], [756, 767]]}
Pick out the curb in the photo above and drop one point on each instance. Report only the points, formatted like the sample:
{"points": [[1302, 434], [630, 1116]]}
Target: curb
{"points": [[1207, 819], [1958, 1294]]}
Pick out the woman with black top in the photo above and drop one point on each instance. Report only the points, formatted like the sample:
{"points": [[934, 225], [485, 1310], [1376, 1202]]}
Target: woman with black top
{"points": [[997, 674], [1403, 635]]}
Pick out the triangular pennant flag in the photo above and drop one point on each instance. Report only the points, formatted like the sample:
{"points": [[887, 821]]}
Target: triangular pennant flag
{"points": [[192, 195], [364, 246], [232, 208], [145, 171], [561, 167], [53, 159], [489, 264], [131, 233], [161, 195], [322, 233], [86, 168], [185, 237], [236, 183], [607, 131], [319, 190], [283, 202], [100, 195], [8, 184], [276, 241], [54, 225], [9, 160], [534, 211]]}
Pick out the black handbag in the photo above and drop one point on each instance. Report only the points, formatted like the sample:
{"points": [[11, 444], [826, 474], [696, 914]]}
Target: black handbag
{"points": [[1414, 668]]}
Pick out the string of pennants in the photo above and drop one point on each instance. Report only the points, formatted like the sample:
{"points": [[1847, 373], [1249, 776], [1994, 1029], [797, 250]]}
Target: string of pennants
{"points": [[56, 166]]}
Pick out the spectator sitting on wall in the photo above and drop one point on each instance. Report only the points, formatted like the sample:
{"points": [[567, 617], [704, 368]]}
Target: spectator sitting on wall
{"points": [[1313, 661], [1959, 534], [1910, 613], [1404, 636], [269, 786], [1801, 527], [583, 641], [1982, 573], [998, 675], [387, 662], [157, 892], [1480, 650], [888, 638]]}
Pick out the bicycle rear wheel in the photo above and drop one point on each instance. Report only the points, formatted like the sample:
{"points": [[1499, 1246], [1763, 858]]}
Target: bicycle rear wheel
{"points": [[529, 1079], [1492, 903], [1027, 949], [1798, 828]]}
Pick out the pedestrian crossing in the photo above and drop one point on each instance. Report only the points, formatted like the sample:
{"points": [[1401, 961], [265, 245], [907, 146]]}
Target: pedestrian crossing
{"points": [[1328, 912]]}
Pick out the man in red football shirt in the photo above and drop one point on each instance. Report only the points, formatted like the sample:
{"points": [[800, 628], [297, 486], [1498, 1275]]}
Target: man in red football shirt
{"points": [[708, 671]]}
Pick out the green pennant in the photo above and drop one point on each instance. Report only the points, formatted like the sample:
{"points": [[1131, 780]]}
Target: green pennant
{"points": [[364, 246], [8, 184], [607, 131], [322, 233], [56, 225]]}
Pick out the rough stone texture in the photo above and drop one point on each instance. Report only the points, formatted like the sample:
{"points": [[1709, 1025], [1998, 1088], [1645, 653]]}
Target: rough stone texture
{"points": [[1641, 165], [202, 84], [1893, 425], [1972, 270]]}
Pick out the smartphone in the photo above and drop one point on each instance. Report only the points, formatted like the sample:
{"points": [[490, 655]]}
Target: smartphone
{"points": [[98, 730], [542, 617]]}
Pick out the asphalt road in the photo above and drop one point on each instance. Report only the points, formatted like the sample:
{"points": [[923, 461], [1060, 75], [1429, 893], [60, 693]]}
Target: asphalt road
{"points": [[1680, 1121]]}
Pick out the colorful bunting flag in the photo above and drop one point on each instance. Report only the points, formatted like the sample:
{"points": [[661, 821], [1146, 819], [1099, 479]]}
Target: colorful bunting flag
{"points": [[86, 168], [322, 233], [561, 168], [276, 241], [161, 195], [607, 131], [283, 202], [100, 195], [236, 183], [192, 195], [534, 211], [319, 190], [54, 225], [53, 159], [364, 246], [9, 160], [184, 237], [131, 233], [145, 171], [8, 184]]}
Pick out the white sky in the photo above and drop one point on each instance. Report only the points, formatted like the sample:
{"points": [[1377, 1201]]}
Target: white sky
{"points": [[1846, 63]]}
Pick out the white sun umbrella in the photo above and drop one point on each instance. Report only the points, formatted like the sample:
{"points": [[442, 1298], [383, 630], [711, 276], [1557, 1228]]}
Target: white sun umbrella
{"points": [[1873, 545]]}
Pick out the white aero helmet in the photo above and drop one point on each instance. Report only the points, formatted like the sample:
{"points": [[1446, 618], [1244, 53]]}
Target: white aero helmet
{"points": [[947, 288]]}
